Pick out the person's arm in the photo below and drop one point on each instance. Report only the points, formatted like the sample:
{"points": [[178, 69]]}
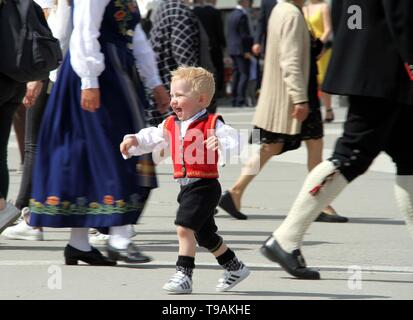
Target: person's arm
{"points": [[261, 27], [291, 48], [399, 17], [86, 57], [325, 10], [185, 38], [245, 34], [148, 69], [145, 141]]}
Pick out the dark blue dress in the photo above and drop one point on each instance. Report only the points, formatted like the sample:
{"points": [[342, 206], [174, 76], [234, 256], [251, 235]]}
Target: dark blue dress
{"points": [[80, 178]]}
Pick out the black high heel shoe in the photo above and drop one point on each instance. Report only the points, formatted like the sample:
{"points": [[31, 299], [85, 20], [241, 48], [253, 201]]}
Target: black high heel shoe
{"points": [[228, 205], [93, 257]]}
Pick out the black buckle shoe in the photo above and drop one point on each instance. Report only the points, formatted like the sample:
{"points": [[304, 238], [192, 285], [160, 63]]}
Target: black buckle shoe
{"points": [[131, 254], [293, 263], [227, 204], [93, 257], [333, 218]]}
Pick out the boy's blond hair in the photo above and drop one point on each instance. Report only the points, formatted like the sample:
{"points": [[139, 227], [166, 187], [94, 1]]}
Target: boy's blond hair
{"points": [[200, 80]]}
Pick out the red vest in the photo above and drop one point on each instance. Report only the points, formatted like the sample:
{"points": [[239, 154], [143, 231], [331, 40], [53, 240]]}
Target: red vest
{"points": [[189, 154]]}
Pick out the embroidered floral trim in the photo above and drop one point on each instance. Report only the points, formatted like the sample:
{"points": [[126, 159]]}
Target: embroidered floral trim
{"points": [[124, 14], [53, 206]]}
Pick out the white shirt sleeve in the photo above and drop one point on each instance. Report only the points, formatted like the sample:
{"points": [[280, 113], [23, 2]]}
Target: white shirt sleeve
{"points": [[45, 4], [145, 59], [227, 136], [149, 139], [86, 58]]}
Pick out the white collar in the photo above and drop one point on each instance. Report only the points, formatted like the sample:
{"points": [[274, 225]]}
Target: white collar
{"points": [[194, 117]]}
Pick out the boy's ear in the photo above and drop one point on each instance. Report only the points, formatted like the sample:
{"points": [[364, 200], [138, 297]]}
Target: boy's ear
{"points": [[203, 99]]}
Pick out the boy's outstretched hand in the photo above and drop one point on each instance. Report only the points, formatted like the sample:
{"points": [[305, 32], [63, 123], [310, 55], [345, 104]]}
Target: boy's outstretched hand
{"points": [[127, 144], [212, 143]]}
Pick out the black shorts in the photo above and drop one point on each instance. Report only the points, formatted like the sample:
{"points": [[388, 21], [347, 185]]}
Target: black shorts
{"points": [[197, 202]]}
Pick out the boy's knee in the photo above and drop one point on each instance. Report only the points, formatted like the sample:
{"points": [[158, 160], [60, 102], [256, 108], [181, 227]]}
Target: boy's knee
{"points": [[212, 242], [184, 232]]}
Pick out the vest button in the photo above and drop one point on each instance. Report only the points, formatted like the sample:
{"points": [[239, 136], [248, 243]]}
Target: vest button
{"points": [[183, 169]]}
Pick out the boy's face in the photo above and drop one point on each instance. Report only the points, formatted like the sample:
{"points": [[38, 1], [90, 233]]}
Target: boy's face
{"points": [[185, 102]]}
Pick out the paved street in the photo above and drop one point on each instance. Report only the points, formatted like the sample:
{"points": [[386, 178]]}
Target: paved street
{"points": [[374, 247]]}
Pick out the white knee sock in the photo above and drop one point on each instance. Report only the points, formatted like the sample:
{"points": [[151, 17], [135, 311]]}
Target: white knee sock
{"points": [[404, 196], [320, 188], [120, 237], [79, 239]]}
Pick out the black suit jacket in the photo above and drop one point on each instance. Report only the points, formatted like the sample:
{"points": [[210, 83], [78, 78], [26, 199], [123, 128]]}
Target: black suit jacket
{"points": [[265, 12], [239, 36], [211, 19], [372, 61]]}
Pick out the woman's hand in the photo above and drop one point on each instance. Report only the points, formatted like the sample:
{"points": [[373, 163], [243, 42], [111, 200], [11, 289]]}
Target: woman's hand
{"points": [[33, 90], [90, 99], [301, 111]]}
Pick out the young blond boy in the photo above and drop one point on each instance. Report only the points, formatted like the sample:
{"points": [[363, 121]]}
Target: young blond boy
{"points": [[193, 137]]}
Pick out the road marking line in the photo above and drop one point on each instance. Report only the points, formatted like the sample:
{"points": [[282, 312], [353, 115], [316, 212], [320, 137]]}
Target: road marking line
{"points": [[324, 268]]}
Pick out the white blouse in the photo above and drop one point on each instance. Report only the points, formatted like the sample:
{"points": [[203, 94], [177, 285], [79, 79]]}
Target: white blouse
{"points": [[86, 57], [153, 139]]}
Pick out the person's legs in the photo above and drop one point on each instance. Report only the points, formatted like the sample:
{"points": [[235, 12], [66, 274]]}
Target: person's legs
{"points": [[33, 121], [79, 249], [235, 79], [244, 69], [235, 270], [7, 110], [251, 169], [181, 281], [403, 158], [365, 135], [121, 247], [314, 157], [326, 100], [19, 122]]}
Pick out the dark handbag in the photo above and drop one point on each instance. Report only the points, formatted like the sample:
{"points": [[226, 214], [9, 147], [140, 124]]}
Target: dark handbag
{"points": [[29, 50], [317, 45]]}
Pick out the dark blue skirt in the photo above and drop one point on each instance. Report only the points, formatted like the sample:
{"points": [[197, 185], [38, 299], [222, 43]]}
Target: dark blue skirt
{"points": [[80, 178]]}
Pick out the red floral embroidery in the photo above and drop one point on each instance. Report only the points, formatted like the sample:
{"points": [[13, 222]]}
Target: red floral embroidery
{"points": [[120, 15]]}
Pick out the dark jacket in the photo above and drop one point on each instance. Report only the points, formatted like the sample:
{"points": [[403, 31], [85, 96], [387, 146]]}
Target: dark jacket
{"points": [[211, 19], [372, 61], [265, 12], [239, 36]]}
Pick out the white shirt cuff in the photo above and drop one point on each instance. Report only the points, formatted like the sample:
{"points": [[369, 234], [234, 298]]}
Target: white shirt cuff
{"points": [[90, 82]]}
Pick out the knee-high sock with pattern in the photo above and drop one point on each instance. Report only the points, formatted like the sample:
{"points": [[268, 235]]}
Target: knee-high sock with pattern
{"points": [[320, 188], [404, 196]]}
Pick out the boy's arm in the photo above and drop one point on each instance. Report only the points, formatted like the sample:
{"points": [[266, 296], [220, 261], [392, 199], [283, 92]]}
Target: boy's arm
{"points": [[228, 137], [147, 140]]}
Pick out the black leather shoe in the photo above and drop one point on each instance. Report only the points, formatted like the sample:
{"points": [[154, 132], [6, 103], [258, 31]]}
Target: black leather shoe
{"points": [[93, 257], [293, 263], [325, 217], [227, 204], [131, 254]]}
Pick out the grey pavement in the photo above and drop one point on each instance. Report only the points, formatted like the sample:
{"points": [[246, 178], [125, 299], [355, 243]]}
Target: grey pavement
{"points": [[370, 257]]}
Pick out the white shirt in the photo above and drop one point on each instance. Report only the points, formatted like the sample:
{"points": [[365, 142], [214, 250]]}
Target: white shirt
{"points": [[86, 57], [153, 139]]}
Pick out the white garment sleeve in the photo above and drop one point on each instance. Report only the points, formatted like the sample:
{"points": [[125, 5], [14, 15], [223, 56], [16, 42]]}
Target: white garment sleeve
{"points": [[149, 139], [86, 58], [145, 59], [45, 4], [227, 136]]}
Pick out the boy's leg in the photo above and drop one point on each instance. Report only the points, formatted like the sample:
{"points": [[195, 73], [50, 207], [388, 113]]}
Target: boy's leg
{"points": [[235, 270], [181, 281]]}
